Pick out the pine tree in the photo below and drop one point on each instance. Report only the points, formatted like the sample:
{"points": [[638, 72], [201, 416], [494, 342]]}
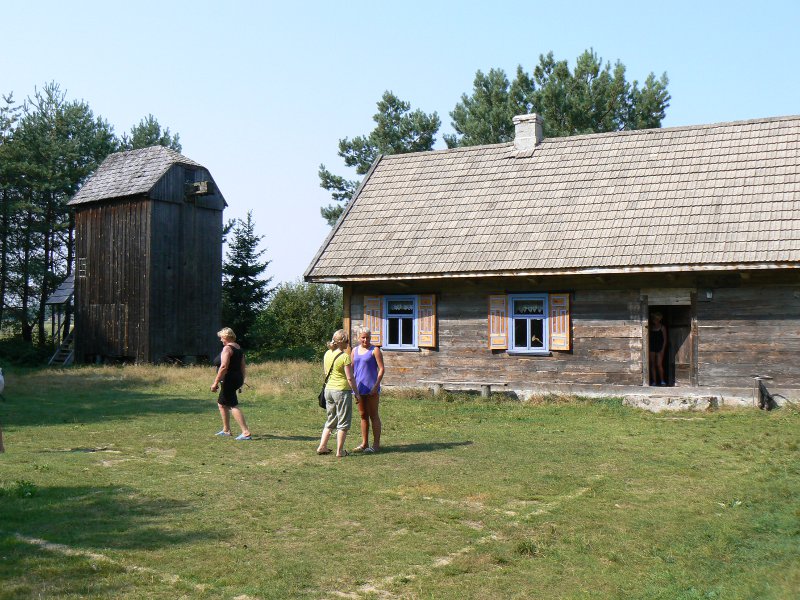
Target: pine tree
{"points": [[397, 130], [594, 97], [244, 291], [149, 133]]}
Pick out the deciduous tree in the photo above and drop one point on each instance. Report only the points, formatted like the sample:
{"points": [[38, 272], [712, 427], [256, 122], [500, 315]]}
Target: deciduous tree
{"points": [[299, 320]]}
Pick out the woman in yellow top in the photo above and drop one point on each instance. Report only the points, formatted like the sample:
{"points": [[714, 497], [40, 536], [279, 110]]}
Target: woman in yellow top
{"points": [[339, 392]]}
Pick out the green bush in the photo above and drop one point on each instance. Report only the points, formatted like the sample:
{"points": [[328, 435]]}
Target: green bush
{"points": [[15, 351], [300, 319]]}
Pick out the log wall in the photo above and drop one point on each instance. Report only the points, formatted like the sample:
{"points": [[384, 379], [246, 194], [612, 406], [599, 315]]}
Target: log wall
{"points": [[606, 331], [749, 326], [750, 330]]}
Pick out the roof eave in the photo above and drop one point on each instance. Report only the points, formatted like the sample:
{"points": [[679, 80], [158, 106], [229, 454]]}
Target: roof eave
{"points": [[551, 272]]}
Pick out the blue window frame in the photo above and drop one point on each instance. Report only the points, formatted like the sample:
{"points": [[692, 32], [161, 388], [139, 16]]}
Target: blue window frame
{"points": [[528, 323], [400, 317]]}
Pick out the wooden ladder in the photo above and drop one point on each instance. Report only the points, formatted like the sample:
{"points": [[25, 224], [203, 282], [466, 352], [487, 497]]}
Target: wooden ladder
{"points": [[65, 354]]}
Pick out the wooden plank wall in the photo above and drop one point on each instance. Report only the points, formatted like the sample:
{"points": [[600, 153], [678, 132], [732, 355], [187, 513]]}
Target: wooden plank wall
{"points": [[172, 187], [606, 329], [186, 293], [749, 326], [153, 286], [111, 301], [750, 330]]}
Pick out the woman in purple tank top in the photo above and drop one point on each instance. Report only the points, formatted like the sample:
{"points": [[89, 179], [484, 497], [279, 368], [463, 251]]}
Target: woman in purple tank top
{"points": [[368, 371]]}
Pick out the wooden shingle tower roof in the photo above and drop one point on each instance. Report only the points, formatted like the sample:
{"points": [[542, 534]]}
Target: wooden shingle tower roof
{"points": [[720, 196], [130, 173]]}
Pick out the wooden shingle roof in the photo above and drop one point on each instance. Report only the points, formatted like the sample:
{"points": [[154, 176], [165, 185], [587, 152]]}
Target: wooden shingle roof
{"points": [[129, 173], [684, 198]]}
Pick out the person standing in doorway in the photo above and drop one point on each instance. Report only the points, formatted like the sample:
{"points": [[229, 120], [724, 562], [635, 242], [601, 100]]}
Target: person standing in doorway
{"points": [[230, 376], [368, 367], [658, 347]]}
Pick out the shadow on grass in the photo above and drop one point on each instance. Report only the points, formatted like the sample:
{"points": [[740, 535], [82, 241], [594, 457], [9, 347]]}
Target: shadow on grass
{"points": [[94, 518], [288, 438], [110, 404], [426, 447]]}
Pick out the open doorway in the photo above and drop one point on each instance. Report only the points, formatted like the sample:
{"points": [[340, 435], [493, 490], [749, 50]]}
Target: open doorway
{"points": [[676, 327]]}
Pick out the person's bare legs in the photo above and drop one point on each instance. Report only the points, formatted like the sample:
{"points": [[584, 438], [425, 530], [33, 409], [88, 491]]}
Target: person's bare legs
{"points": [[363, 410], [341, 434], [377, 426], [239, 416], [323, 441], [660, 367], [224, 412]]}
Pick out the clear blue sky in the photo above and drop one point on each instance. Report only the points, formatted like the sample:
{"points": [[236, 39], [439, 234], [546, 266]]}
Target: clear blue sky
{"points": [[261, 92]]}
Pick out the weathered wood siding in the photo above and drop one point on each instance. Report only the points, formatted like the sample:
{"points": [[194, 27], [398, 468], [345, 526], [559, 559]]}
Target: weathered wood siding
{"points": [[750, 330], [607, 343], [111, 299], [748, 326], [172, 187], [185, 295], [152, 287]]}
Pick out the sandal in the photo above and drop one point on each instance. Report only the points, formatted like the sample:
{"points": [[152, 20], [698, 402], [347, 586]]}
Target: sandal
{"points": [[326, 451], [360, 448], [343, 454]]}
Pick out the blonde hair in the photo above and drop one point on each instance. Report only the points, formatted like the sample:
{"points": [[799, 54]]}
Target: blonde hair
{"points": [[339, 337], [227, 333]]}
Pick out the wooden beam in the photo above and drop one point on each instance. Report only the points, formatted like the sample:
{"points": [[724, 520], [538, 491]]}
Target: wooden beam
{"points": [[346, 294]]}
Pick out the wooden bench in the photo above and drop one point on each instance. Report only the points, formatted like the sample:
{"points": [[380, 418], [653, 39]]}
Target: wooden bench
{"points": [[485, 386]]}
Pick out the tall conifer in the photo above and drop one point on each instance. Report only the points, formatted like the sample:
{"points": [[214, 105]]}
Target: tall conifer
{"points": [[244, 290]]}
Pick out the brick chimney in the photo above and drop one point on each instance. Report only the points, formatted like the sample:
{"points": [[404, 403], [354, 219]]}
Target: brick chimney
{"points": [[527, 131]]}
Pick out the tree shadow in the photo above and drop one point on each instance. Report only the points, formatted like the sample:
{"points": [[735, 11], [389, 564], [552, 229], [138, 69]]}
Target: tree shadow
{"points": [[50, 537], [110, 404], [425, 447], [88, 517]]}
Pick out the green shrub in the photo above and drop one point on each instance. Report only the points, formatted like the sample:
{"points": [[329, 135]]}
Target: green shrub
{"points": [[15, 351]]}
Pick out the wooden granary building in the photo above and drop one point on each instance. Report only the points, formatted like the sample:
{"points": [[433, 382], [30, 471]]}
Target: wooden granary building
{"points": [[148, 247], [539, 263]]}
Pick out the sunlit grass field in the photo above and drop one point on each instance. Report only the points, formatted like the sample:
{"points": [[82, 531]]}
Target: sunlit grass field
{"points": [[113, 485]]}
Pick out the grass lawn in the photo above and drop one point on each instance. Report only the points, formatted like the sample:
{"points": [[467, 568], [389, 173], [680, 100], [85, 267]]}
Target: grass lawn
{"points": [[113, 485]]}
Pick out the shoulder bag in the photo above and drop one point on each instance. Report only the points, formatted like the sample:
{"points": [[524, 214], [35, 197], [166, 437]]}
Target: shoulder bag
{"points": [[322, 403]]}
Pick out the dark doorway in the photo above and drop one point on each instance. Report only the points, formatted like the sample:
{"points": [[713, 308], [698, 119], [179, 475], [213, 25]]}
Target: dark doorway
{"points": [[677, 324]]}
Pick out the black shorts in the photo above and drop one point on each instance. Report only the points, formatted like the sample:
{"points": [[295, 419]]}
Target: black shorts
{"points": [[228, 388]]}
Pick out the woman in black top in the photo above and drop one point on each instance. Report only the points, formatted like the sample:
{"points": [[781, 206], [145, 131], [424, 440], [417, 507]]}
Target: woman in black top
{"points": [[230, 376]]}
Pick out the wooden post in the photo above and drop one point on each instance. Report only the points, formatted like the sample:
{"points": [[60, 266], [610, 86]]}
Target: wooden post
{"points": [[693, 364], [643, 310], [346, 293]]}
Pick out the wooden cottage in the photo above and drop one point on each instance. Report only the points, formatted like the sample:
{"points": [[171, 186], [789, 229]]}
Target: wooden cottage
{"points": [[148, 247], [538, 263]]}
